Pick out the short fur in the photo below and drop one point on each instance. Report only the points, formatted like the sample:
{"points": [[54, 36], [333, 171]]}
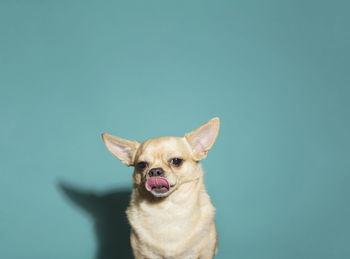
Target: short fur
{"points": [[179, 223]]}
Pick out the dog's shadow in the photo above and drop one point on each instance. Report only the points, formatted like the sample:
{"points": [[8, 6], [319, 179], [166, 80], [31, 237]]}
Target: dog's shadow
{"points": [[110, 222]]}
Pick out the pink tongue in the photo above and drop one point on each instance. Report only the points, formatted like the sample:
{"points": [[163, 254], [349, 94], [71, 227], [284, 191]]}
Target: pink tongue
{"points": [[157, 182]]}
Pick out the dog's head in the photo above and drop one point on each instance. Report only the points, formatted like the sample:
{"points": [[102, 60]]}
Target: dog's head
{"points": [[161, 164]]}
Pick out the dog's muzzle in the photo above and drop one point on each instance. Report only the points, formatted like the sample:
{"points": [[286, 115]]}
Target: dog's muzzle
{"points": [[157, 184]]}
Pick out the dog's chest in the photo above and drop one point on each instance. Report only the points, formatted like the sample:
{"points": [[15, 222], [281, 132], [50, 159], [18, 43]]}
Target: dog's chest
{"points": [[178, 227], [171, 228], [167, 222]]}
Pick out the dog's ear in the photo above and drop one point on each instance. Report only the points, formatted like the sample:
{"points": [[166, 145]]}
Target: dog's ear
{"points": [[203, 138], [123, 149]]}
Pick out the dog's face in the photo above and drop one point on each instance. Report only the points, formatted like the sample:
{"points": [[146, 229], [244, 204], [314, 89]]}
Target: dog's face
{"points": [[162, 164]]}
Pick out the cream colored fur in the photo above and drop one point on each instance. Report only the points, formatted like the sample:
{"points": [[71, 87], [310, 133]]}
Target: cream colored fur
{"points": [[179, 224]]}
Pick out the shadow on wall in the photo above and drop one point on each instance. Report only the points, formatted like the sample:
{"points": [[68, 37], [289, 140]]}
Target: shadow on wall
{"points": [[108, 212]]}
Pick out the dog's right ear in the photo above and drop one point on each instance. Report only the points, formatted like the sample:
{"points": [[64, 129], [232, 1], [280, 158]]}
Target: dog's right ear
{"points": [[203, 138], [123, 149]]}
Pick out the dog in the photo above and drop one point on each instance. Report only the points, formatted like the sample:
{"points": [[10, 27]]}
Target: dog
{"points": [[170, 213]]}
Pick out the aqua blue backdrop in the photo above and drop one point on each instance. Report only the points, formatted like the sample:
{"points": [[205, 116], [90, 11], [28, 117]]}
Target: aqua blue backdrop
{"points": [[275, 72]]}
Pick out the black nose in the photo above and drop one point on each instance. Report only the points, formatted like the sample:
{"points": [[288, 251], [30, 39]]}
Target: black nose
{"points": [[156, 172]]}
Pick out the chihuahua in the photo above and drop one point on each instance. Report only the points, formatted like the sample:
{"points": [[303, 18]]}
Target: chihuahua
{"points": [[170, 212]]}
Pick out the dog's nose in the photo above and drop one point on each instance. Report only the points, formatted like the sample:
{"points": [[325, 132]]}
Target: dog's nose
{"points": [[156, 172]]}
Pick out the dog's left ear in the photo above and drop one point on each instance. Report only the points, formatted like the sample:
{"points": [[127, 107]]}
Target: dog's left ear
{"points": [[123, 149], [203, 138]]}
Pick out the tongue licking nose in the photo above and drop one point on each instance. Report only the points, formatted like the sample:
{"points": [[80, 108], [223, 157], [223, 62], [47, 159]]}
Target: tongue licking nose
{"points": [[157, 184]]}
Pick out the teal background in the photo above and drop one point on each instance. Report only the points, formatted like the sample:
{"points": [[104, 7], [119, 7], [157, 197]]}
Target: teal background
{"points": [[275, 72]]}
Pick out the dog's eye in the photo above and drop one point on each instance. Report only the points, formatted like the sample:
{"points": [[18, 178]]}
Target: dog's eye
{"points": [[142, 165], [176, 161]]}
